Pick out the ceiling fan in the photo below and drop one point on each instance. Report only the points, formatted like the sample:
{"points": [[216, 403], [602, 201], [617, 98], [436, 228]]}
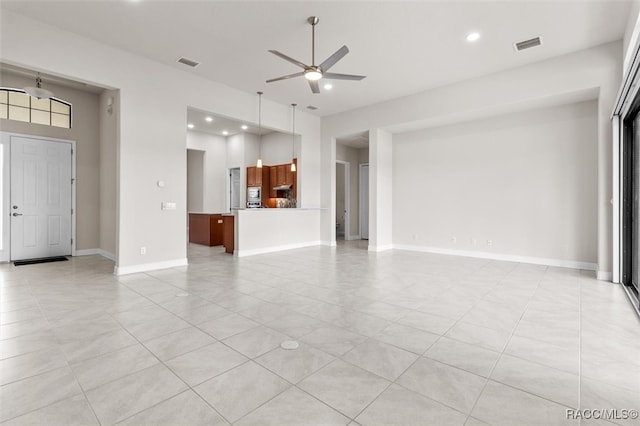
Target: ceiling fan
{"points": [[314, 72]]}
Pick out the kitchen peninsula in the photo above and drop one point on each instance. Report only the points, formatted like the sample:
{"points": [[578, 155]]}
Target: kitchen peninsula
{"points": [[264, 230], [260, 231], [270, 228]]}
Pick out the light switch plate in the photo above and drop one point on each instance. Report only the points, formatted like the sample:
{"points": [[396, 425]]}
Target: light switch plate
{"points": [[166, 205]]}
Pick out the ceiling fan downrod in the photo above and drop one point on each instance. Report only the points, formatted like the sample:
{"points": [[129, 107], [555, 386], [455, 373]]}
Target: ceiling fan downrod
{"points": [[313, 20]]}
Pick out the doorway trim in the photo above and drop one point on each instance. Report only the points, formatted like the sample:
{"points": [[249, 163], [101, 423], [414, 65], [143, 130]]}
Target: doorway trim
{"points": [[347, 198], [361, 197], [228, 196], [5, 208]]}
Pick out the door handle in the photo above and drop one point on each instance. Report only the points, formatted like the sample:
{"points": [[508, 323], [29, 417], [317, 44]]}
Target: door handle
{"points": [[17, 214]]}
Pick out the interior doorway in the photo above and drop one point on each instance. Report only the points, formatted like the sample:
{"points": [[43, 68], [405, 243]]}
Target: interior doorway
{"points": [[343, 198], [364, 201], [195, 181], [235, 199], [40, 198]]}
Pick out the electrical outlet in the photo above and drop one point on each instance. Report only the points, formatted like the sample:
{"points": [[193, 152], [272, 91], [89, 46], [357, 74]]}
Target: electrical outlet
{"points": [[143, 250], [489, 242]]}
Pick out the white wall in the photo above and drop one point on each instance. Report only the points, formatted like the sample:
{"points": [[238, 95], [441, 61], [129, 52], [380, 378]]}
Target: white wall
{"points": [[251, 150], [277, 148], [526, 182], [215, 169], [380, 190], [152, 131], [631, 33], [109, 141], [585, 75], [195, 181]]}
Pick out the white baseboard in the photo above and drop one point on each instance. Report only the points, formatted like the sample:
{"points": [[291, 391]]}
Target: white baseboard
{"points": [[353, 237], [604, 276], [380, 248], [91, 252], [328, 243], [273, 249], [144, 267], [506, 257]]}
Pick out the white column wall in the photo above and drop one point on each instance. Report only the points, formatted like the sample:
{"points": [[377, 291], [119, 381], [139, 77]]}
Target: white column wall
{"points": [[380, 190]]}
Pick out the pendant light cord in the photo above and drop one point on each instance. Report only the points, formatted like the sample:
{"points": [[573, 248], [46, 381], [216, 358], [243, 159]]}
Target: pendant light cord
{"points": [[293, 139], [259, 163]]}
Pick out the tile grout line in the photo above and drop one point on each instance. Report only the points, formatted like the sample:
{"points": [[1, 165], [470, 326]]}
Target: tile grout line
{"points": [[502, 351]]}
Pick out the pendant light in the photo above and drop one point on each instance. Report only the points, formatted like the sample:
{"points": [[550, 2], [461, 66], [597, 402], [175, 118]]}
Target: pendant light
{"points": [[259, 163], [293, 139], [38, 91]]}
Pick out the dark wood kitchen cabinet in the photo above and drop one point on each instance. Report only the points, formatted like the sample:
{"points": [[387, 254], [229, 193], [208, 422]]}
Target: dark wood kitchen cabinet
{"points": [[260, 177], [251, 176], [228, 233], [205, 229], [281, 175], [273, 178]]}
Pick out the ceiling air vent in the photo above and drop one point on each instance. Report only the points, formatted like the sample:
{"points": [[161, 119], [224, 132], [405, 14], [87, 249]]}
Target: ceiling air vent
{"points": [[527, 44], [312, 108], [188, 62]]}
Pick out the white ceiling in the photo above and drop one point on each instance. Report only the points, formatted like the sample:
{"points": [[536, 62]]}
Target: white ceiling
{"points": [[357, 141], [403, 47], [219, 124]]}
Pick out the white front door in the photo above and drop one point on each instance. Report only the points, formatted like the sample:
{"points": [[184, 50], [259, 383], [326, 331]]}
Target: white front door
{"points": [[40, 198]]}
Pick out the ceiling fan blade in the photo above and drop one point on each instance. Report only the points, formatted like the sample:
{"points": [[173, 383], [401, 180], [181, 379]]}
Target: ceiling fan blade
{"points": [[334, 76], [331, 60], [290, 59], [286, 77], [315, 88]]}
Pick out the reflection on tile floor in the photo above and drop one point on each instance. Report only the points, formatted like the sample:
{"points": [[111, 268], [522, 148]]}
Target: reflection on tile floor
{"points": [[391, 338]]}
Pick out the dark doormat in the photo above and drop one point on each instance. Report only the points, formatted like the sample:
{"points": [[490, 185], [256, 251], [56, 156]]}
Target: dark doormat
{"points": [[41, 260]]}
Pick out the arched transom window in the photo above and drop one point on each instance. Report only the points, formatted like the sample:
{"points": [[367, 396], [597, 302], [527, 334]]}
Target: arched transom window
{"points": [[17, 105]]}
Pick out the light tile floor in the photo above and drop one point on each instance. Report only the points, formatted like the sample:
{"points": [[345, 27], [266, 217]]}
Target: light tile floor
{"points": [[392, 338]]}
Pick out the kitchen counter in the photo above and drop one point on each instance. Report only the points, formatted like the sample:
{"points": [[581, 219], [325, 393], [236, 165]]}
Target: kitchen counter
{"points": [[260, 231]]}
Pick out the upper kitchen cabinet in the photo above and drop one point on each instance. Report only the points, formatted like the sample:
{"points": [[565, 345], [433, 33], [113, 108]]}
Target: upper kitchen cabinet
{"points": [[258, 176], [251, 177]]}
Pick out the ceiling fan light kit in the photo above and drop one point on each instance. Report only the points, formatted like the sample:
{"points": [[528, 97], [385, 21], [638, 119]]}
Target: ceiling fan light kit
{"points": [[314, 72]]}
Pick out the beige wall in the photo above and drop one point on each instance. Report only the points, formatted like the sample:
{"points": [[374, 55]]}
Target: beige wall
{"points": [[86, 132]]}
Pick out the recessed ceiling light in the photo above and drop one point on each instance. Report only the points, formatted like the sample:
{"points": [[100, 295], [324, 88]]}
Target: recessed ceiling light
{"points": [[209, 119], [328, 86], [190, 126], [471, 37], [245, 127], [224, 132]]}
